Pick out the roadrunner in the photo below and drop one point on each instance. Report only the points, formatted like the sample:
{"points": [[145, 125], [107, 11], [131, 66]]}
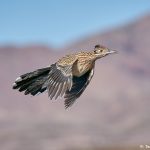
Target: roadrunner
{"points": [[68, 77]]}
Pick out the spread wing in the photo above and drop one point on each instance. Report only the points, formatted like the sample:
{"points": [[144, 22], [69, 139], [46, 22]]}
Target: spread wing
{"points": [[79, 85], [59, 79]]}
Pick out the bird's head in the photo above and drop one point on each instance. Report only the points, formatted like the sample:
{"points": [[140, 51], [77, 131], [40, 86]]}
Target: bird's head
{"points": [[101, 51]]}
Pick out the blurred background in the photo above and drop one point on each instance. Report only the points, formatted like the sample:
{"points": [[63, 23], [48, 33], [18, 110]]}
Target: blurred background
{"points": [[113, 112]]}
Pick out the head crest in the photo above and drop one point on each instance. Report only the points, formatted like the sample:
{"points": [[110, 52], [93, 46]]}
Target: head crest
{"points": [[99, 46]]}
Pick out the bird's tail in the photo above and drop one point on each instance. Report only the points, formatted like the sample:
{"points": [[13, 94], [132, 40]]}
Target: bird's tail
{"points": [[33, 82]]}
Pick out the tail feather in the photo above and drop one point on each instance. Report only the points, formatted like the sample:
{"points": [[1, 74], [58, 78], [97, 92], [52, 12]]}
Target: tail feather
{"points": [[24, 86], [33, 82]]}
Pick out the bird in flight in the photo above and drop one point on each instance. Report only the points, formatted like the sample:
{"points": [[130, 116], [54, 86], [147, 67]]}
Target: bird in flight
{"points": [[68, 77]]}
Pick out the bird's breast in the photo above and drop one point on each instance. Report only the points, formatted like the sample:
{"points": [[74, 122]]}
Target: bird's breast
{"points": [[82, 67]]}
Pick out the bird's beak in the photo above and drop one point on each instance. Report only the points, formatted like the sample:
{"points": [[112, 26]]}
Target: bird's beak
{"points": [[112, 52]]}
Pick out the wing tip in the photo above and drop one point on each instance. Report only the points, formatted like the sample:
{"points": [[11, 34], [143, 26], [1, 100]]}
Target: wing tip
{"points": [[69, 102]]}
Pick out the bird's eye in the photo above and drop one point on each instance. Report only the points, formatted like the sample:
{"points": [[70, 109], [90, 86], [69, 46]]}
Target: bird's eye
{"points": [[95, 51]]}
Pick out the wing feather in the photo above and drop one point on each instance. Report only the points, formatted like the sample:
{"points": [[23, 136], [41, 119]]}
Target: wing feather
{"points": [[79, 85], [59, 80]]}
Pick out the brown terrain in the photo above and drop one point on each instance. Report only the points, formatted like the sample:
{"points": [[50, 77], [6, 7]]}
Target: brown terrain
{"points": [[113, 112]]}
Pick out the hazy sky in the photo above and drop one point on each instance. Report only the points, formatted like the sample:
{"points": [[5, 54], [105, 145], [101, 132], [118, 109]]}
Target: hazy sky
{"points": [[56, 22]]}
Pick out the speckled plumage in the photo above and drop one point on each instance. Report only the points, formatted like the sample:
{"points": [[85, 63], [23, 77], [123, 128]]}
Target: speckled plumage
{"points": [[68, 77], [84, 62]]}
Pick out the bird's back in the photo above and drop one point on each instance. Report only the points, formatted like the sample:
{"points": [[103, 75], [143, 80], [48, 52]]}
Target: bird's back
{"points": [[80, 62]]}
